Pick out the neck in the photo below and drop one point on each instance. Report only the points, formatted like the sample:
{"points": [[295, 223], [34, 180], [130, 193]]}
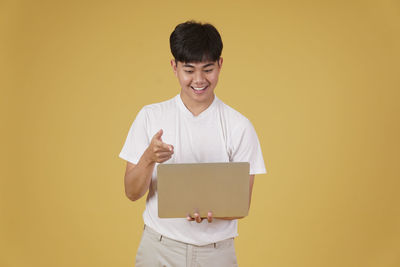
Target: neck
{"points": [[196, 107]]}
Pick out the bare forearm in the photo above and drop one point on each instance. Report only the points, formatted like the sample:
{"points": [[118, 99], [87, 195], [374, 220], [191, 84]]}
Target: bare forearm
{"points": [[138, 178]]}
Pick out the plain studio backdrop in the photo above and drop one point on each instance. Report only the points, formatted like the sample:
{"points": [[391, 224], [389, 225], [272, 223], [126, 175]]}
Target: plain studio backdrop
{"points": [[319, 80]]}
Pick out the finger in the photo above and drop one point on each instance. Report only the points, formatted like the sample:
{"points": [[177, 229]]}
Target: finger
{"points": [[161, 160], [158, 135], [197, 217], [161, 146], [209, 216], [190, 219], [166, 147], [164, 154]]}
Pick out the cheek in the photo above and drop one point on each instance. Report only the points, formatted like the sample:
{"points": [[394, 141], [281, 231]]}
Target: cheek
{"points": [[213, 78], [184, 80]]}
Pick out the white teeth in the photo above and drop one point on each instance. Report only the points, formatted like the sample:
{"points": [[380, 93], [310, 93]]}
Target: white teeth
{"points": [[198, 89]]}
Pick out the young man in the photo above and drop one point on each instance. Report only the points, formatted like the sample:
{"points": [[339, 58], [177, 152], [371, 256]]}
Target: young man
{"points": [[193, 127]]}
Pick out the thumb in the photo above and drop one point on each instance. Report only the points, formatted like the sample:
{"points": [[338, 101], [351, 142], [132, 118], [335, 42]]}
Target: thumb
{"points": [[158, 135]]}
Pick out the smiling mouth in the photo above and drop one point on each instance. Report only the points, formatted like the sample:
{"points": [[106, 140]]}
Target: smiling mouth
{"points": [[199, 90]]}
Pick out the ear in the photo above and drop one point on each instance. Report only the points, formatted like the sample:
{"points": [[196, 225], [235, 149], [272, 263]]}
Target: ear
{"points": [[174, 66], [220, 62]]}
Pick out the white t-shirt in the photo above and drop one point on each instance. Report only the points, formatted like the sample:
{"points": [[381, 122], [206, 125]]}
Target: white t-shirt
{"points": [[218, 134]]}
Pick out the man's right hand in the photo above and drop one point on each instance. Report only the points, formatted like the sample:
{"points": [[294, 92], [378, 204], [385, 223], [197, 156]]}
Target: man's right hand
{"points": [[158, 151]]}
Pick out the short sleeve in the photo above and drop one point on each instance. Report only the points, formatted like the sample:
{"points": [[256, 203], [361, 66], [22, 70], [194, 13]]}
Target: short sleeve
{"points": [[137, 140], [246, 147]]}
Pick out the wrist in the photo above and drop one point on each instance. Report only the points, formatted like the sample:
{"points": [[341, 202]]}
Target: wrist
{"points": [[147, 158]]}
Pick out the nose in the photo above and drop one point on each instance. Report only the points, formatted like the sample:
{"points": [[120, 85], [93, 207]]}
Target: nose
{"points": [[198, 78]]}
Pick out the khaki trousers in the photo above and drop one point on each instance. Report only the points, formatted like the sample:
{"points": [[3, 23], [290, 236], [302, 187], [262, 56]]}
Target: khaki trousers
{"points": [[159, 251]]}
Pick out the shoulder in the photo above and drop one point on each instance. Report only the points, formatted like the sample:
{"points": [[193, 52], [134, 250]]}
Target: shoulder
{"points": [[232, 116], [159, 108]]}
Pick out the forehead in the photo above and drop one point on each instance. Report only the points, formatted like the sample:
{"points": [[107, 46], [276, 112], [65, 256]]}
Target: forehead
{"points": [[203, 64]]}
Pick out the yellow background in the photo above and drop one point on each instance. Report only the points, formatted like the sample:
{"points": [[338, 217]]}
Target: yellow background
{"points": [[319, 80]]}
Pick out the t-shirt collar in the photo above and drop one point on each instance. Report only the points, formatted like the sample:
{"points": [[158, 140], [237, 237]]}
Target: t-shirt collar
{"points": [[187, 112]]}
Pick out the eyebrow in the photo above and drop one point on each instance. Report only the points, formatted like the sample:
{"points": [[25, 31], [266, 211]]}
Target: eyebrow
{"points": [[205, 66]]}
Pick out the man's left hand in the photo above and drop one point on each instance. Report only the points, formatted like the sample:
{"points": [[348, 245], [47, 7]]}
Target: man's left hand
{"points": [[196, 217]]}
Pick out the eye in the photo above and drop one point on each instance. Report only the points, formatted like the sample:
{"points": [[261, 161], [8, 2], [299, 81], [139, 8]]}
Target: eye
{"points": [[209, 70], [188, 71]]}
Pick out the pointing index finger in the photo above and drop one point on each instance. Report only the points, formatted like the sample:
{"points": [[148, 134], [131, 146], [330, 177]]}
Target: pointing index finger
{"points": [[209, 216], [166, 147]]}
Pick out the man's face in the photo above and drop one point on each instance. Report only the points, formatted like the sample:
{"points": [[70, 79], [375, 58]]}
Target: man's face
{"points": [[197, 80]]}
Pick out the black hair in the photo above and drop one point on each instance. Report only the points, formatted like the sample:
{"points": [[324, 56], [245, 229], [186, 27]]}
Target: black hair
{"points": [[192, 41]]}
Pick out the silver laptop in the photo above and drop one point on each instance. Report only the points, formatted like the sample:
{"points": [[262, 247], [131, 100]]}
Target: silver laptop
{"points": [[185, 188]]}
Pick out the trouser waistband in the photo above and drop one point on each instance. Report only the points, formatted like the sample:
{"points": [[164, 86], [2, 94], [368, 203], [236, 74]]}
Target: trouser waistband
{"points": [[161, 237]]}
